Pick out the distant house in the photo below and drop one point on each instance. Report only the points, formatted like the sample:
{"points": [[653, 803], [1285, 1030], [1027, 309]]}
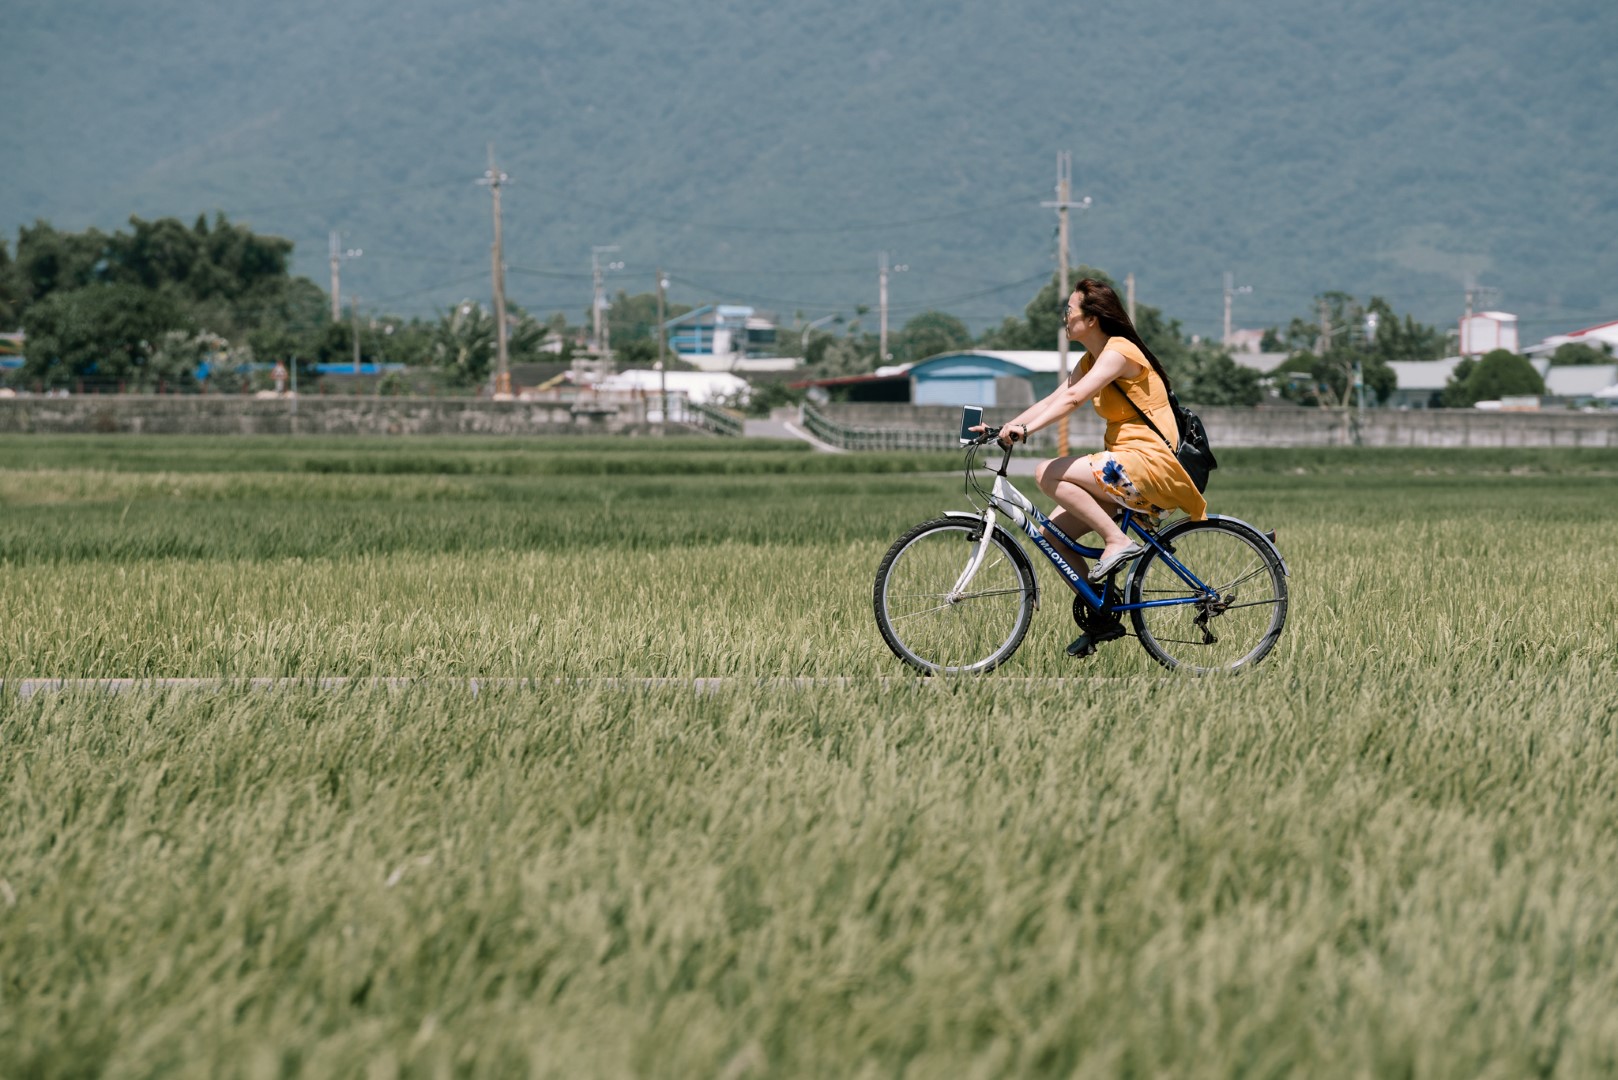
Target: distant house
{"points": [[1581, 384], [1420, 382], [11, 349], [1602, 335], [1487, 331], [1245, 341], [726, 337], [699, 387], [985, 377], [1261, 362]]}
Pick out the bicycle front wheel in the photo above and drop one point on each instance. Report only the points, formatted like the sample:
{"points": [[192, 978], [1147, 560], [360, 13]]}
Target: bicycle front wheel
{"points": [[936, 633], [1223, 598]]}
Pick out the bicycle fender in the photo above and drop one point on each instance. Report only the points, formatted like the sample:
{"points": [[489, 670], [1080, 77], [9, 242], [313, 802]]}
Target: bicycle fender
{"points": [[1252, 530], [1016, 549]]}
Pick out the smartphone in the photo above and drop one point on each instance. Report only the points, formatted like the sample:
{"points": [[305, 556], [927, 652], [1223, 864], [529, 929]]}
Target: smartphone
{"points": [[971, 417]]}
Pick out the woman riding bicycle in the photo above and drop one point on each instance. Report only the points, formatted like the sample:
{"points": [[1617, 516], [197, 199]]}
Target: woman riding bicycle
{"points": [[1137, 469]]}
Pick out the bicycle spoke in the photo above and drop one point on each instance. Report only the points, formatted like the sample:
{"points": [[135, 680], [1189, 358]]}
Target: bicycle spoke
{"points": [[990, 592], [927, 624], [1244, 579], [1229, 563], [923, 611]]}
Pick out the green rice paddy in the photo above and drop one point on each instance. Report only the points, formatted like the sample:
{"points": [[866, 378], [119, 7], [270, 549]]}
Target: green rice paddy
{"points": [[1387, 850]]}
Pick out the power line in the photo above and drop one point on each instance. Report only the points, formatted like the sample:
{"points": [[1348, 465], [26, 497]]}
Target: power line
{"points": [[863, 226], [326, 200]]}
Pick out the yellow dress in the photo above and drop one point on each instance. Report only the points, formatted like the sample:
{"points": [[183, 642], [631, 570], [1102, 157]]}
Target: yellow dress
{"points": [[1149, 468]]}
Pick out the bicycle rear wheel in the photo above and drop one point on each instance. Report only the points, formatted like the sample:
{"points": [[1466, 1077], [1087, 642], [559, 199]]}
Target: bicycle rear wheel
{"points": [[971, 633], [1231, 622]]}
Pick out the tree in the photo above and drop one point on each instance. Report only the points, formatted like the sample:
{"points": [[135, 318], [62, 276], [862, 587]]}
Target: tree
{"points": [[293, 347], [1207, 375], [108, 333], [1579, 353], [1368, 337], [1501, 373], [634, 318], [928, 334], [11, 290], [49, 261], [1042, 318]]}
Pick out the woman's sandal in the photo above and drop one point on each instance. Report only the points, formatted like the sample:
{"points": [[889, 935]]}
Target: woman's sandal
{"points": [[1112, 562]]}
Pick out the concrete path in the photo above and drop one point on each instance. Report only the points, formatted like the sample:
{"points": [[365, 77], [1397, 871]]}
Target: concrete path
{"points": [[780, 426], [29, 688]]}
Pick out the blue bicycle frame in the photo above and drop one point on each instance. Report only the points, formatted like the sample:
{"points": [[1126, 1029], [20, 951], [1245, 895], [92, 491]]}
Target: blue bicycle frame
{"points": [[1006, 499]]}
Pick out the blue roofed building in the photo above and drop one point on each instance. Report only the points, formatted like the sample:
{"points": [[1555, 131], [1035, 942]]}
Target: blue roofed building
{"points": [[725, 337], [988, 377]]}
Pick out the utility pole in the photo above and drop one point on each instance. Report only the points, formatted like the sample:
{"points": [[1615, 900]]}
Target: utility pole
{"points": [[1129, 288], [492, 179], [1064, 202], [603, 328], [883, 270], [1371, 321], [662, 358], [882, 304], [354, 328], [1231, 291], [337, 257], [1323, 342]]}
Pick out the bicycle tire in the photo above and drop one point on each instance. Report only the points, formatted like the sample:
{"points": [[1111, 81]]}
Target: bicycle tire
{"points": [[970, 635], [1233, 628]]}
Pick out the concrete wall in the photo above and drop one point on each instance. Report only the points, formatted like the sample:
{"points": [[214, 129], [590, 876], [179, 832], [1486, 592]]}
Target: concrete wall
{"points": [[1293, 426], [219, 415]]}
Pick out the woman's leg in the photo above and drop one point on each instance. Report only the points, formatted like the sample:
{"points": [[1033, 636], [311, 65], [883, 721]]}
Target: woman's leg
{"points": [[1072, 483]]}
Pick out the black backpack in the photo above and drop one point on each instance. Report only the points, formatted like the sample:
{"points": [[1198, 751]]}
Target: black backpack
{"points": [[1195, 455]]}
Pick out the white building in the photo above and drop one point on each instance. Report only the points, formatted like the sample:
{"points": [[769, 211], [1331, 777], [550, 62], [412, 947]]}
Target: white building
{"points": [[699, 387], [1419, 381], [1487, 331], [1601, 336], [1580, 383]]}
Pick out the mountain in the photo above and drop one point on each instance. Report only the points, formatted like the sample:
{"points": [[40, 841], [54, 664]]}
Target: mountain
{"points": [[768, 153]]}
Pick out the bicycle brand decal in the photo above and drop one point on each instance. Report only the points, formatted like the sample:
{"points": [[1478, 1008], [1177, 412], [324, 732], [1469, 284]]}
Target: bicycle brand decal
{"points": [[1050, 552]]}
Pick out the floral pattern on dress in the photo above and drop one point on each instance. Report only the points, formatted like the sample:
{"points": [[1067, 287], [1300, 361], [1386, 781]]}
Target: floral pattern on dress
{"points": [[1112, 476]]}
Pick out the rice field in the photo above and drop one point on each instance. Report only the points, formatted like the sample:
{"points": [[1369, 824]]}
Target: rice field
{"points": [[1387, 850]]}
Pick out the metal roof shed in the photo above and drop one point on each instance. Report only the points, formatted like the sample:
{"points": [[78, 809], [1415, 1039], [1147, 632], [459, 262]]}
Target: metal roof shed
{"points": [[986, 377]]}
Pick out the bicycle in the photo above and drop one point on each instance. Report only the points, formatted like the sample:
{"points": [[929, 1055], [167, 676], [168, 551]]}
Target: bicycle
{"points": [[944, 606]]}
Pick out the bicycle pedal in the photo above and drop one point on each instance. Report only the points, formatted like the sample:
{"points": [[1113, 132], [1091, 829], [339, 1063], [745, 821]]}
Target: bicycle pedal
{"points": [[1088, 643]]}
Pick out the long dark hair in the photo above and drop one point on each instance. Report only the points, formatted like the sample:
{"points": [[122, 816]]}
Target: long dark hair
{"points": [[1099, 300]]}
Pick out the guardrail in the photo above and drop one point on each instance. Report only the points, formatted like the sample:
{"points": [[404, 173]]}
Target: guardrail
{"points": [[712, 419], [856, 438]]}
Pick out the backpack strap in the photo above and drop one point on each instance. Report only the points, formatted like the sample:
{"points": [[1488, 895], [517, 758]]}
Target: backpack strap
{"points": [[1138, 412]]}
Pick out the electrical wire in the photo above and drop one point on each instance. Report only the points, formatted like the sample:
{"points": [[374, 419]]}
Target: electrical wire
{"points": [[864, 226], [348, 196]]}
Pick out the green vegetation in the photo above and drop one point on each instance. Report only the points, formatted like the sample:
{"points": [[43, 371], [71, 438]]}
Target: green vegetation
{"points": [[1577, 352], [1367, 337], [1384, 851], [1498, 374], [166, 307]]}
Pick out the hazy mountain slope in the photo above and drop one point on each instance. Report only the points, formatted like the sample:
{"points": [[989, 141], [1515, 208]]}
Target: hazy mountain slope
{"points": [[770, 151]]}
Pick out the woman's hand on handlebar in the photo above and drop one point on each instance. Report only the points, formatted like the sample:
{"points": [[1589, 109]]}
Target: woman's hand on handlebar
{"points": [[985, 434], [1007, 436]]}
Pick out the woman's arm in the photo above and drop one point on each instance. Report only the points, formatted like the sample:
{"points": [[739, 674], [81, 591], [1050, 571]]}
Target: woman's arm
{"points": [[1110, 365]]}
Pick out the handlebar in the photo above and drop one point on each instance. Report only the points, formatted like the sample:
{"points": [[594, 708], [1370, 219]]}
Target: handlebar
{"points": [[988, 436]]}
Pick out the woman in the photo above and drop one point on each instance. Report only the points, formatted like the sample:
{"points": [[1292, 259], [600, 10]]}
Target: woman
{"points": [[1137, 469]]}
